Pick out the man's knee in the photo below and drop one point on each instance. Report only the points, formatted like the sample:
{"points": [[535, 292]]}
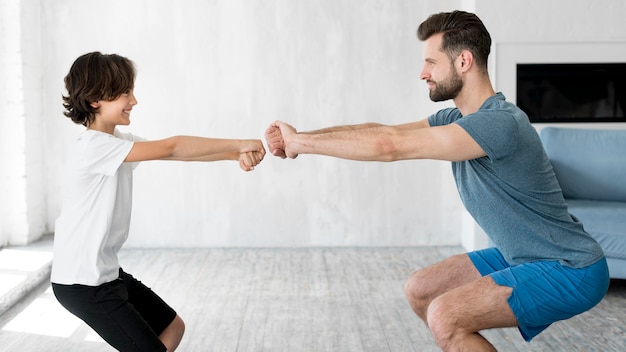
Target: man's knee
{"points": [[414, 290], [409, 287], [441, 322]]}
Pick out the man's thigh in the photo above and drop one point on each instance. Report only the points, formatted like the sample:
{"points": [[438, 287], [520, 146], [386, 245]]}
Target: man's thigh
{"points": [[439, 278], [474, 306]]}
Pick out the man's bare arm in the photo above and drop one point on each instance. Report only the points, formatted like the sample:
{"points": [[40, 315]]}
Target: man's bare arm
{"points": [[385, 143]]}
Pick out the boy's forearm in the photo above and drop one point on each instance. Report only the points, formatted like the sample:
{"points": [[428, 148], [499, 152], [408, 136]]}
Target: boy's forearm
{"points": [[200, 148], [213, 157]]}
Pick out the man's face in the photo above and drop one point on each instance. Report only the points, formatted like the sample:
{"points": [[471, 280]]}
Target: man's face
{"points": [[439, 72]]}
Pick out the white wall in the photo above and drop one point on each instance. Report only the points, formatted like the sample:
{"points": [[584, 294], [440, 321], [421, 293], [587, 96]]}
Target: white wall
{"points": [[23, 209], [227, 69], [12, 185]]}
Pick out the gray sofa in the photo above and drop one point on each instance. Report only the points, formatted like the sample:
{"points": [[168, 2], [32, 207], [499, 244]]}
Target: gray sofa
{"points": [[590, 165]]}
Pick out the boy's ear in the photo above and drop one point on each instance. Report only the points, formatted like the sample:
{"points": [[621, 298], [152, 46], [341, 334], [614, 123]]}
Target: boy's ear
{"points": [[95, 105]]}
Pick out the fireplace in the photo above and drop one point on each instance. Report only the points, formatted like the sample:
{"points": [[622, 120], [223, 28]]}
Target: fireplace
{"points": [[572, 92]]}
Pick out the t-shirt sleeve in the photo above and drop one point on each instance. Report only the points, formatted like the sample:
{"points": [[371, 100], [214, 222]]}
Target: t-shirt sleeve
{"points": [[496, 133], [130, 137], [444, 117], [106, 153]]}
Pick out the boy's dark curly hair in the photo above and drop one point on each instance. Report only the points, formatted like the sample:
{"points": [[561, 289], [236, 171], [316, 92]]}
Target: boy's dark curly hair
{"points": [[94, 77]]}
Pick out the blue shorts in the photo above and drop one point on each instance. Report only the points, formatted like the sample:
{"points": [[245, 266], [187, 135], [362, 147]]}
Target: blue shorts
{"points": [[544, 291]]}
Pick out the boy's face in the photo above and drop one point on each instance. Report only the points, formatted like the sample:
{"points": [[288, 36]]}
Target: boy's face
{"points": [[113, 113]]}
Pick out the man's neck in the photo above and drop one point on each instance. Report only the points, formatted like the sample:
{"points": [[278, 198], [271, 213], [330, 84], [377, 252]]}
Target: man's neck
{"points": [[473, 95]]}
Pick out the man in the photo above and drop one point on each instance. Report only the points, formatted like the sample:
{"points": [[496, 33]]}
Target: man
{"points": [[545, 267]]}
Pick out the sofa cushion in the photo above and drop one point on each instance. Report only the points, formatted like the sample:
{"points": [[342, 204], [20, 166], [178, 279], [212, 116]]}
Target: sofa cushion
{"points": [[589, 163], [605, 221], [617, 268]]}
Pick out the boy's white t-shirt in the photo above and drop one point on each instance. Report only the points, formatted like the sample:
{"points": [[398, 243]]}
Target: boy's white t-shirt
{"points": [[95, 217]]}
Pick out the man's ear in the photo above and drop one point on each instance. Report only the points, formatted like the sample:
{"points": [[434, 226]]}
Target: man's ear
{"points": [[466, 60]]}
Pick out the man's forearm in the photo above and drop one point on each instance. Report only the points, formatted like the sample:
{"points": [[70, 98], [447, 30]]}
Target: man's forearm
{"points": [[344, 128], [371, 143]]}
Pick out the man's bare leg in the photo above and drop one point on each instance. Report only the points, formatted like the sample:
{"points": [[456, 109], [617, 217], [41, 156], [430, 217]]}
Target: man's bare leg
{"points": [[424, 285], [456, 302]]}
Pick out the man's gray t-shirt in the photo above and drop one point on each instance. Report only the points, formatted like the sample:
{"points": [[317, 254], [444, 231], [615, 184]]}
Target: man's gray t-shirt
{"points": [[512, 193]]}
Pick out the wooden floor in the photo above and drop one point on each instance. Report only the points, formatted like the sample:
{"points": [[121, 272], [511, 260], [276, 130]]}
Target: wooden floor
{"points": [[295, 300]]}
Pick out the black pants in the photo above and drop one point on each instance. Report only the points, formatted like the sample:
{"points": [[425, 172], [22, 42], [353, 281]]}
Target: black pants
{"points": [[124, 312]]}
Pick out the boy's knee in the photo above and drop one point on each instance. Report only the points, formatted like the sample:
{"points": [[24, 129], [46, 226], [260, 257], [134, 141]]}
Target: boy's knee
{"points": [[179, 325], [173, 334]]}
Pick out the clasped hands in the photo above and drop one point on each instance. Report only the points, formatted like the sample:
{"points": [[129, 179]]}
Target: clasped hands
{"points": [[276, 136]]}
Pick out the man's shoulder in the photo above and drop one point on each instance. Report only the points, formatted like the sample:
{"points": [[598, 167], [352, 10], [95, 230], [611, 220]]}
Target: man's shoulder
{"points": [[445, 116], [498, 103]]}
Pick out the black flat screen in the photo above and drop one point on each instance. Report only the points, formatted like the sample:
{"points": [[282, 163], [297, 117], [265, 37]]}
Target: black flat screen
{"points": [[594, 92]]}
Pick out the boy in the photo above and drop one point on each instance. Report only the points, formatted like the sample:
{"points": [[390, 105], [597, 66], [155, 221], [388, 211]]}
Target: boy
{"points": [[86, 276]]}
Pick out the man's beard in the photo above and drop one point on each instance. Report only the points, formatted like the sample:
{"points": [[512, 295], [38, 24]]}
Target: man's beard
{"points": [[448, 88]]}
